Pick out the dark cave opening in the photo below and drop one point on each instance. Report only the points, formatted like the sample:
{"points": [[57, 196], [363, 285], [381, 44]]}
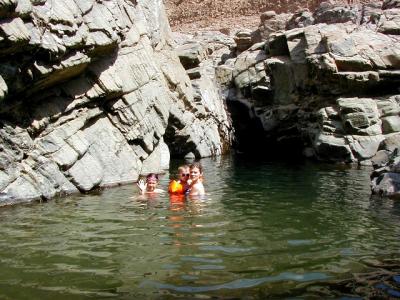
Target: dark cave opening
{"points": [[251, 138]]}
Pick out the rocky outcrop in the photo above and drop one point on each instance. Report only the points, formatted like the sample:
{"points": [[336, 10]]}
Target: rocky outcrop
{"points": [[385, 179], [327, 90], [92, 95], [199, 55]]}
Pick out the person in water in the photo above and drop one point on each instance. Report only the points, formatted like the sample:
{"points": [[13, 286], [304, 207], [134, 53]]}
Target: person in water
{"points": [[196, 177], [182, 185], [150, 186]]}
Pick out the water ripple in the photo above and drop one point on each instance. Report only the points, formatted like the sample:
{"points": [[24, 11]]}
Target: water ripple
{"points": [[239, 283], [226, 249], [304, 222]]}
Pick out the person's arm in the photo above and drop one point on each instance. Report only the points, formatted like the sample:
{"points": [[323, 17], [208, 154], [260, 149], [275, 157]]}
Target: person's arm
{"points": [[142, 186]]}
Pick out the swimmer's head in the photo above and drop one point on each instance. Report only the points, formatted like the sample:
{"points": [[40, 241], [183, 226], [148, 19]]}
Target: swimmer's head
{"points": [[196, 171], [152, 178], [184, 173], [151, 182]]}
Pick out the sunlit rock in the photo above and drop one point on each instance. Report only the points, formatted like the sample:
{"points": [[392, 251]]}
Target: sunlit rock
{"points": [[94, 94]]}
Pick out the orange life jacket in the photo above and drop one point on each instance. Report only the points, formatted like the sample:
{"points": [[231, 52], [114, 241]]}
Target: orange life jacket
{"points": [[176, 188]]}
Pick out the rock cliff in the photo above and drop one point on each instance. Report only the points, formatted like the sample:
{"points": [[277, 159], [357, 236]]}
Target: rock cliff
{"points": [[92, 95], [324, 84]]}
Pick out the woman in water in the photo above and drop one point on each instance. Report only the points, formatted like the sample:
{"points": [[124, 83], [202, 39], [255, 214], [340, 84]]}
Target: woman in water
{"points": [[150, 186], [196, 177]]}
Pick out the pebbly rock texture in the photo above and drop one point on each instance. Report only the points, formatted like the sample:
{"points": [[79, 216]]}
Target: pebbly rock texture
{"points": [[328, 91], [234, 15], [92, 95]]}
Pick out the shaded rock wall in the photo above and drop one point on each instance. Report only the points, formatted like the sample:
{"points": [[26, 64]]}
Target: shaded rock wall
{"points": [[88, 89]]}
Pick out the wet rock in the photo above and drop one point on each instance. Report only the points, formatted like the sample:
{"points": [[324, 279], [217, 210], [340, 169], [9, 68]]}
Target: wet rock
{"points": [[385, 179], [387, 185]]}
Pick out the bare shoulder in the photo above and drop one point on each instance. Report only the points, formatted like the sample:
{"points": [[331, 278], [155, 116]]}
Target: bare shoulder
{"points": [[197, 189]]}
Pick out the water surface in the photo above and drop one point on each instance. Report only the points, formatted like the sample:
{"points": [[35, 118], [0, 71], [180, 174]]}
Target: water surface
{"points": [[263, 228]]}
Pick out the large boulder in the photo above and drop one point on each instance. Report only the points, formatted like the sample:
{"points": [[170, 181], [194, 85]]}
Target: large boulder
{"points": [[302, 18], [271, 22], [331, 13], [385, 179]]}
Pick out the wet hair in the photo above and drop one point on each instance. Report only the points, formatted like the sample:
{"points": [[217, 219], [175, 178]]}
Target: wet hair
{"points": [[152, 176], [182, 168], [196, 165]]}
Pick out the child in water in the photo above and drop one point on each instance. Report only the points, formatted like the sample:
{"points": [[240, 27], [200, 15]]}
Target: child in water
{"points": [[150, 186], [190, 181], [180, 186], [196, 177]]}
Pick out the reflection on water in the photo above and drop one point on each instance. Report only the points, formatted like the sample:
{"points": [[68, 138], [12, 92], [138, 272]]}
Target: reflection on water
{"points": [[262, 228]]}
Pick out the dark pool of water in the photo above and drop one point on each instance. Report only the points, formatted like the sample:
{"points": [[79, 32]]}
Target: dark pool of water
{"points": [[264, 228]]}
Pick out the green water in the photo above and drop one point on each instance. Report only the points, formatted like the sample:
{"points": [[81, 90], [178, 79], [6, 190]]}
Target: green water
{"points": [[263, 228]]}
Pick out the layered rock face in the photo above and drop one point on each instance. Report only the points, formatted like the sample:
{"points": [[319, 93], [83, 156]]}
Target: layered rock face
{"points": [[324, 84], [92, 95]]}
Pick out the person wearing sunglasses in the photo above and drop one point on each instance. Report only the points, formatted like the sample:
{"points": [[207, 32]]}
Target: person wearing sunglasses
{"points": [[182, 184]]}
